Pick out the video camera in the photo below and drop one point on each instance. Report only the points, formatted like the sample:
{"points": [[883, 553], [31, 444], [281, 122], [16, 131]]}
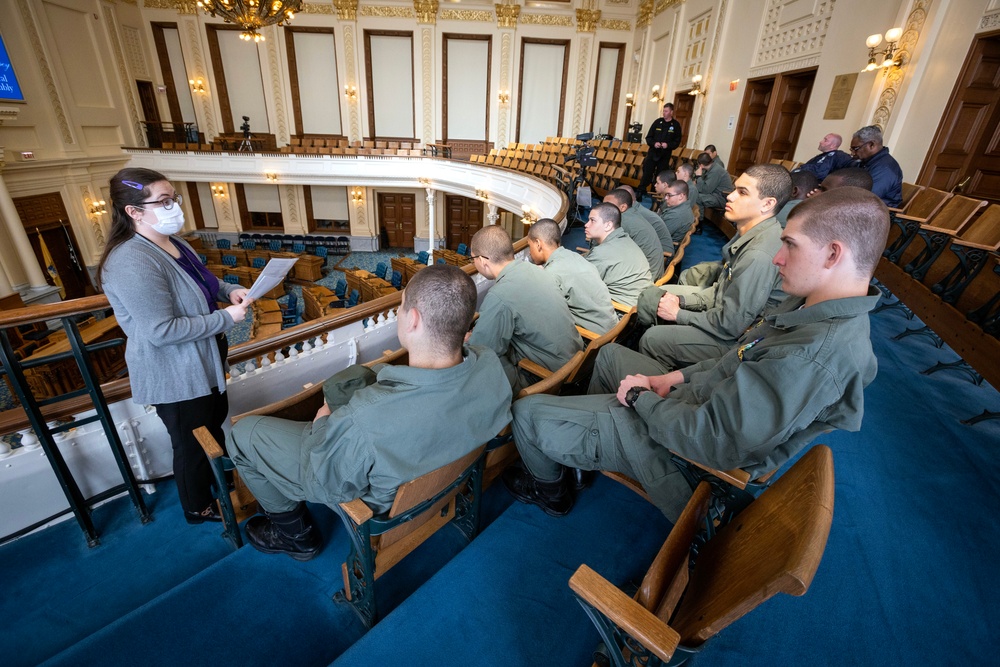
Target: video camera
{"points": [[246, 127], [584, 155], [634, 134]]}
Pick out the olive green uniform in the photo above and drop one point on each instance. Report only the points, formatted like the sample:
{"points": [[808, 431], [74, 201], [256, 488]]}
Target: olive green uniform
{"points": [[586, 294], [645, 237], [677, 220], [786, 210], [622, 267], [656, 222], [713, 186]]}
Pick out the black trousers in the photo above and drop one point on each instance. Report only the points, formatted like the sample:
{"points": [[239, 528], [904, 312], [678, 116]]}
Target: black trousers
{"points": [[651, 167], [192, 471]]}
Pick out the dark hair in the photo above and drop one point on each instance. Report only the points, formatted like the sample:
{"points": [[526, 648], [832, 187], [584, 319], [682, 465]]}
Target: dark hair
{"points": [[446, 298], [704, 159], [129, 187], [855, 217], [608, 213], [853, 176], [493, 242], [773, 180], [546, 230], [805, 182], [666, 176], [681, 187], [711, 147], [687, 168], [669, 104], [621, 197]]}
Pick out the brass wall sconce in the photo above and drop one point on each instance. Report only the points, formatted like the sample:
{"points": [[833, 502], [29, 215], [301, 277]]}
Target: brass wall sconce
{"points": [[197, 86], [351, 93], [696, 85], [97, 207], [218, 191], [656, 95], [504, 97], [629, 100], [357, 196], [482, 194], [528, 215], [887, 57], [271, 177]]}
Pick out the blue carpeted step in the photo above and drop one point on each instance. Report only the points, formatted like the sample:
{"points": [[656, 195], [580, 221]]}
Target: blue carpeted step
{"points": [[505, 600]]}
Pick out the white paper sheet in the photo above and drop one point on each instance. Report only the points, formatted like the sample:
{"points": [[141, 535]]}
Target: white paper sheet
{"points": [[270, 276]]}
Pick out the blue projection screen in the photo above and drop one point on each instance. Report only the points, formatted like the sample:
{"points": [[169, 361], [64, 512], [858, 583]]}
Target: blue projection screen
{"points": [[10, 89]]}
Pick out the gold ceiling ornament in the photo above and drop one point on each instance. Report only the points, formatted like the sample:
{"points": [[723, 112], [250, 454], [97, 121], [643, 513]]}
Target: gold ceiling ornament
{"points": [[426, 11], [252, 15], [645, 14], [587, 19], [507, 13], [347, 10]]}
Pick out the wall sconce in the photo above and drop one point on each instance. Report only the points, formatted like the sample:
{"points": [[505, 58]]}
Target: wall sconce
{"points": [[197, 86], [885, 58], [528, 217], [351, 93], [696, 85], [218, 191], [271, 177], [97, 208], [629, 100], [482, 194], [357, 196], [656, 95], [504, 97]]}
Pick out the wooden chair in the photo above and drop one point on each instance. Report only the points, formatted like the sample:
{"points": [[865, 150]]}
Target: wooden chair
{"points": [[910, 191], [950, 221], [972, 248], [693, 591], [921, 208]]}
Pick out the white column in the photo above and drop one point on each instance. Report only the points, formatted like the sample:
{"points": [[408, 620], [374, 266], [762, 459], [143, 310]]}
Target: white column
{"points": [[493, 214], [20, 237], [432, 236]]}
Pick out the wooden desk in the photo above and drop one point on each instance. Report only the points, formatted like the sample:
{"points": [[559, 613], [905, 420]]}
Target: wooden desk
{"points": [[61, 377]]}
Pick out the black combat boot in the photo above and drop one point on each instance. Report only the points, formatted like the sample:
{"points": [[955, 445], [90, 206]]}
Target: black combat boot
{"points": [[555, 498], [582, 478], [291, 533]]}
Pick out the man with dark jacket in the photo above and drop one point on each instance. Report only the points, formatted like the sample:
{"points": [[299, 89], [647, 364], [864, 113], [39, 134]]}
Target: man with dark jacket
{"points": [[663, 138]]}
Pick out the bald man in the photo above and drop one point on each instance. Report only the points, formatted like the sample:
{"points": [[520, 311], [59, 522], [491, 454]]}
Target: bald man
{"points": [[830, 158]]}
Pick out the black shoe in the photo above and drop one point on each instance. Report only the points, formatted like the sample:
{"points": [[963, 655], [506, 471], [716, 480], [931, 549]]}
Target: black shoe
{"points": [[210, 513], [283, 533], [582, 478], [555, 498]]}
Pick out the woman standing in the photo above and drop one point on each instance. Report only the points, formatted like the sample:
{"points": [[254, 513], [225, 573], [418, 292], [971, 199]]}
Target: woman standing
{"points": [[165, 302]]}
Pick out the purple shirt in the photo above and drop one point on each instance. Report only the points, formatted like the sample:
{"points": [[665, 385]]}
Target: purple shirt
{"points": [[192, 266]]}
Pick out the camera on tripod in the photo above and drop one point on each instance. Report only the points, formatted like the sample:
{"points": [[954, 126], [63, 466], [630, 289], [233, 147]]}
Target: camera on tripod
{"points": [[246, 127], [584, 155], [634, 134]]}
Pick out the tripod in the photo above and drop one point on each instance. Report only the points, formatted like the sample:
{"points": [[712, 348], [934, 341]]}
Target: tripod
{"points": [[245, 144]]}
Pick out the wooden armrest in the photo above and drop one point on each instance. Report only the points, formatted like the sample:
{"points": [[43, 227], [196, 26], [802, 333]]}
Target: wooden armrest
{"points": [[894, 210], [903, 216], [587, 333], [735, 477], [212, 449], [583, 251], [533, 368], [621, 307], [357, 510], [625, 612]]}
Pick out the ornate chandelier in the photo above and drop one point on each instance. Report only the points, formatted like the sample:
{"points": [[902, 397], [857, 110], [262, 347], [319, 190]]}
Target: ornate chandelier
{"points": [[252, 15]]}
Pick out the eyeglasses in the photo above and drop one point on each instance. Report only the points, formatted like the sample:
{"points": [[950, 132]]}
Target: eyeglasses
{"points": [[855, 149], [167, 204], [671, 194], [479, 257]]}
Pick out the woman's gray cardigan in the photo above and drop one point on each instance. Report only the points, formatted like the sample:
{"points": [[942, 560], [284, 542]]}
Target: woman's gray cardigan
{"points": [[172, 354]]}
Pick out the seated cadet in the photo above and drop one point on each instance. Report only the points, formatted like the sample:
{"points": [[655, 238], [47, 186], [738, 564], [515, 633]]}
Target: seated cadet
{"points": [[654, 220], [685, 172], [638, 230], [524, 314], [586, 294], [705, 320], [714, 154], [448, 401], [803, 182], [854, 177], [618, 260], [798, 372], [713, 183], [675, 212]]}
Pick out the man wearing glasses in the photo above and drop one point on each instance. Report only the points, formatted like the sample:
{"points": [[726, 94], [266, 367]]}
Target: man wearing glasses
{"points": [[887, 177], [675, 211]]}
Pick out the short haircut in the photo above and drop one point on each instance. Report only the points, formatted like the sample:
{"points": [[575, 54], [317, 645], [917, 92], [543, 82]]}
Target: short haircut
{"points": [[546, 230], [687, 168], [855, 217], [669, 105], [856, 177], [837, 139], [711, 147], [446, 298], [494, 243], [870, 133], [666, 176], [627, 188], [608, 213], [773, 180], [805, 181], [680, 187], [704, 159], [620, 197]]}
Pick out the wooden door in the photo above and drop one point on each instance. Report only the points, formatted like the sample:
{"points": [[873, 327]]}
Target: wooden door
{"points": [[151, 114], [683, 111], [397, 215], [789, 101], [968, 137], [45, 219], [750, 128], [463, 218]]}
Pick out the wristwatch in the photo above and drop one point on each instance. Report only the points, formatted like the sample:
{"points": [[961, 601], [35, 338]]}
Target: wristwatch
{"points": [[633, 394]]}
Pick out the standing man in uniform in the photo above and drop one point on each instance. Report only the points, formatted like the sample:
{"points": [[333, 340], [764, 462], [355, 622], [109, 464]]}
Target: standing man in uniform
{"points": [[663, 138]]}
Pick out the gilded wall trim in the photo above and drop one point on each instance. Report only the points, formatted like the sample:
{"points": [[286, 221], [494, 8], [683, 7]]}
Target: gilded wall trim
{"points": [[427, 58], [503, 117], [467, 15], [661, 6], [350, 67], [707, 80], [43, 66], [426, 11], [583, 58], [894, 79], [615, 24], [507, 15], [326, 10], [587, 19], [546, 19], [123, 75], [645, 14], [198, 61], [381, 11]]}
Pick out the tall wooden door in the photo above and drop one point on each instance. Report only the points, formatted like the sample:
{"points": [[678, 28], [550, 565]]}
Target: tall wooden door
{"points": [[397, 215], [967, 143], [750, 129], [789, 101], [463, 218], [683, 111], [47, 223], [151, 114]]}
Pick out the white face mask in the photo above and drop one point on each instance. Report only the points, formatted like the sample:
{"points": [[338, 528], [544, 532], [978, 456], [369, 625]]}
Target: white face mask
{"points": [[168, 222]]}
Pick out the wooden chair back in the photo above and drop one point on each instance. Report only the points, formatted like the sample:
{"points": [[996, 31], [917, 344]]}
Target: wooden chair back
{"points": [[953, 217], [910, 191], [552, 382], [589, 353], [984, 232], [774, 545], [925, 204]]}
